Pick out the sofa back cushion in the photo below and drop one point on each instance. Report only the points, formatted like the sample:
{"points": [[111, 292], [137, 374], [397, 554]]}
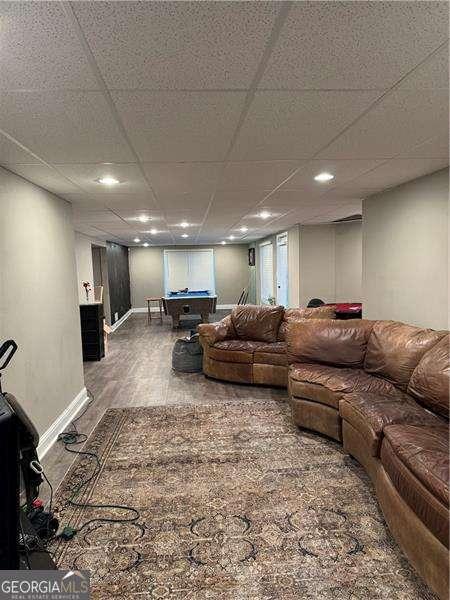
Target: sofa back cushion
{"points": [[340, 343], [430, 381], [395, 349], [297, 314], [260, 323]]}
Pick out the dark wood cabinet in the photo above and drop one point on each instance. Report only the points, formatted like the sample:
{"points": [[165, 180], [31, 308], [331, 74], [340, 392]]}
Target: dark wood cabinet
{"points": [[92, 335]]}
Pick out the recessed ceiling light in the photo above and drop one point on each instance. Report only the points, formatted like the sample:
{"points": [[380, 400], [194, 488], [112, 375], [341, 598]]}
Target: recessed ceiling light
{"points": [[231, 237], [223, 242], [323, 177], [143, 218], [153, 231], [184, 224], [136, 240], [185, 235], [264, 214], [145, 245], [108, 180], [243, 229]]}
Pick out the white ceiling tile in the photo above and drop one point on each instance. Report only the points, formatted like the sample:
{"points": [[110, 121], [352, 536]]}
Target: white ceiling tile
{"points": [[434, 148], [182, 202], [256, 175], [13, 153], [226, 201], [432, 74], [39, 49], [177, 45], [364, 45], [180, 178], [397, 123], [291, 125], [180, 126], [86, 177], [98, 217], [45, 177], [63, 127], [343, 171], [398, 171]]}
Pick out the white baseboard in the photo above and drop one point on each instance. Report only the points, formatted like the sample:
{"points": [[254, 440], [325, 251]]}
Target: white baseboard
{"points": [[118, 323], [49, 437]]}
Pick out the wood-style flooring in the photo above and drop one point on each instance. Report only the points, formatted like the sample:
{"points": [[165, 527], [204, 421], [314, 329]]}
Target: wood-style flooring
{"points": [[137, 371]]}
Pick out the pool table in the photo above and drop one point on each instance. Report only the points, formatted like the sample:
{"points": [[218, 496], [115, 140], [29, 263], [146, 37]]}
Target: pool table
{"points": [[200, 302]]}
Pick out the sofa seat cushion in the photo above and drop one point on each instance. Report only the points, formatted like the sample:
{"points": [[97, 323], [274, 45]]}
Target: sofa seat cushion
{"points": [[259, 323], [416, 461], [395, 349], [369, 413], [271, 354], [424, 450], [328, 385], [238, 351]]}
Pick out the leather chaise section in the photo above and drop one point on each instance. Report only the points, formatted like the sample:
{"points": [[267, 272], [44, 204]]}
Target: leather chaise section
{"points": [[425, 452], [328, 385], [370, 412], [426, 494]]}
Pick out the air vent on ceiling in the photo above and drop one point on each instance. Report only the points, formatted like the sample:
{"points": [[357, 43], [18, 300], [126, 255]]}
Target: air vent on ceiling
{"points": [[350, 218]]}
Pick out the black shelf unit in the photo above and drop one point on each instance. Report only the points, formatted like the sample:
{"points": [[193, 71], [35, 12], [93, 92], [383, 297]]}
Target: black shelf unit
{"points": [[92, 335]]}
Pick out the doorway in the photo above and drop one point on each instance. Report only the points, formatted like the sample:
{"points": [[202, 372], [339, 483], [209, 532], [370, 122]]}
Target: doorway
{"points": [[282, 270]]}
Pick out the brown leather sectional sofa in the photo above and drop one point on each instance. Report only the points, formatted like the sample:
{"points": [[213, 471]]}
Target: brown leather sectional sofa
{"points": [[379, 387], [249, 346]]}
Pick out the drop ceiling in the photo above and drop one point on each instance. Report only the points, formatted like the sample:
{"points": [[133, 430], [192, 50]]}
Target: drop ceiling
{"points": [[210, 112]]}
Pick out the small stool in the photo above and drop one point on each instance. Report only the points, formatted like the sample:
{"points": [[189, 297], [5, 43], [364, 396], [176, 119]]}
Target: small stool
{"points": [[160, 306]]}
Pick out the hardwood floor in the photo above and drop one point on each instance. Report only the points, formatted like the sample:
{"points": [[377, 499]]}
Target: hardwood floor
{"points": [[137, 372]]}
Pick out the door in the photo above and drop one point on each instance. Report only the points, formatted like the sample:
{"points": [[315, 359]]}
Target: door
{"points": [[282, 270]]}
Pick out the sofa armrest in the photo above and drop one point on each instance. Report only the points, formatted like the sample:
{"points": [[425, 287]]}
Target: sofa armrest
{"points": [[210, 333]]}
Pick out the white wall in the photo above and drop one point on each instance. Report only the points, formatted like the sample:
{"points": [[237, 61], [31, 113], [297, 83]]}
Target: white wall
{"points": [[38, 299], [405, 253]]}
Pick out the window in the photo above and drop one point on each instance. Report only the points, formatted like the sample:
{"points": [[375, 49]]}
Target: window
{"points": [[192, 269], [266, 271]]}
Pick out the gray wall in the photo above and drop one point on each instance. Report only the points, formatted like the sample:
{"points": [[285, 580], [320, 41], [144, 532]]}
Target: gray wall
{"points": [[39, 299], [405, 253], [147, 272]]}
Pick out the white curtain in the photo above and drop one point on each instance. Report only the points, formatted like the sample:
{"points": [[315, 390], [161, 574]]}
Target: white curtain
{"points": [[192, 269]]}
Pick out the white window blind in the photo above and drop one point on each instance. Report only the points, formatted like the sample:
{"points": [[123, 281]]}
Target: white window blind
{"points": [[266, 271], [192, 269]]}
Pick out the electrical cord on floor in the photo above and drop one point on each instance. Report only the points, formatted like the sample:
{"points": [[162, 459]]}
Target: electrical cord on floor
{"points": [[73, 437]]}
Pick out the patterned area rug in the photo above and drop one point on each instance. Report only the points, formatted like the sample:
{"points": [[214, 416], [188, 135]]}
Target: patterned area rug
{"points": [[235, 503]]}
